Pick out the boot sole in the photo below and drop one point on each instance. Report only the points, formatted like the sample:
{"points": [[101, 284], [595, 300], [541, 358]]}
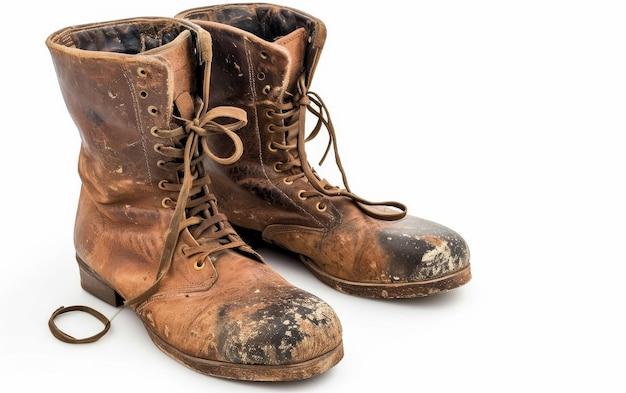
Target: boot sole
{"points": [[252, 372], [401, 290], [95, 285]]}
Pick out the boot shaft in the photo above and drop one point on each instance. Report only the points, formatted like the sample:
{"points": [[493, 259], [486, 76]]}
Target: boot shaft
{"points": [[120, 81], [264, 24], [262, 53], [264, 58]]}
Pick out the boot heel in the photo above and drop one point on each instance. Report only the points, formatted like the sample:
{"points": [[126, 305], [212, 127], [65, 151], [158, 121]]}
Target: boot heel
{"points": [[92, 283]]}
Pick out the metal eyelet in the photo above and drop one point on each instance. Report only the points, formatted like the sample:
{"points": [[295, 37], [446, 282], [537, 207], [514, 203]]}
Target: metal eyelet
{"points": [[261, 75], [154, 131], [158, 147], [143, 94], [269, 113], [287, 181], [301, 195], [267, 89], [271, 148], [167, 203], [162, 184], [142, 72], [276, 167], [199, 265], [321, 207], [153, 110], [263, 55]]}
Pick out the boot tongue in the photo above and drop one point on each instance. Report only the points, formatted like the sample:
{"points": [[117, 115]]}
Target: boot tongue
{"points": [[295, 43], [179, 54]]}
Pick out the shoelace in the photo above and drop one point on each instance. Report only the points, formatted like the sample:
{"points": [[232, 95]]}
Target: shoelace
{"points": [[195, 208], [291, 116], [205, 223]]}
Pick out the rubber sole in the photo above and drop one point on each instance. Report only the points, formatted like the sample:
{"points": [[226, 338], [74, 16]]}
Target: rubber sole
{"points": [[400, 290], [252, 372]]}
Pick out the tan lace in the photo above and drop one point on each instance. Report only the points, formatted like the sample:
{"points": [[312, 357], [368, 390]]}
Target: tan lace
{"points": [[196, 208], [290, 116], [62, 336]]}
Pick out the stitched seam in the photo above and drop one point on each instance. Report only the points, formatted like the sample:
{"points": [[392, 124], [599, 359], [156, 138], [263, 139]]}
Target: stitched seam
{"points": [[139, 123], [258, 133]]}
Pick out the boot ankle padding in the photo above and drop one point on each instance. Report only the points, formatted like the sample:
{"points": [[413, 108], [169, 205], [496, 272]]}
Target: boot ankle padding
{"points": [[132, 37], [266, 21]]}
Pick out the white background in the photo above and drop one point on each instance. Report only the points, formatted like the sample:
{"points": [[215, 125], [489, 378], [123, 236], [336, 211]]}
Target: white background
{"points": [[503, 120]]}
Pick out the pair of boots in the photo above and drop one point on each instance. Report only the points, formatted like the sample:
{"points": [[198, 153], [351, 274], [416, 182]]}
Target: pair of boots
{"points": [[178, 115]]}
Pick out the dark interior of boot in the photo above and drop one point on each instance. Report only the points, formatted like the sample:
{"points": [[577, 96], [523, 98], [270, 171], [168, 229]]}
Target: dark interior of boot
{"points": [[129, 38], [267, 22]]}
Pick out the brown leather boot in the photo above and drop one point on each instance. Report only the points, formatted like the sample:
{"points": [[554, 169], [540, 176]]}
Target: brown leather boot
{"points": [[148, 233], [265, 56]]}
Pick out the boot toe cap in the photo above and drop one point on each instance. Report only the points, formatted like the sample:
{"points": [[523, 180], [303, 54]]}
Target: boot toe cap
{"points": [[284, 334], [421, 250], [287, 328]]}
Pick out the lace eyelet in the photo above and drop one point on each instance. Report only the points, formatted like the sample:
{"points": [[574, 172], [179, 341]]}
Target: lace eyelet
{"points": [[158, 147], [287, 181], [270, 129], [142, 72], [321, 207], [271, 148], [269, 113], [162, 184], [154, 131], [266, 89], [199, 265], [264, 55], [301, 195], [167, 203], [161, 164], [153, 110], [260, 76], [276, 167], [143, 94]]}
